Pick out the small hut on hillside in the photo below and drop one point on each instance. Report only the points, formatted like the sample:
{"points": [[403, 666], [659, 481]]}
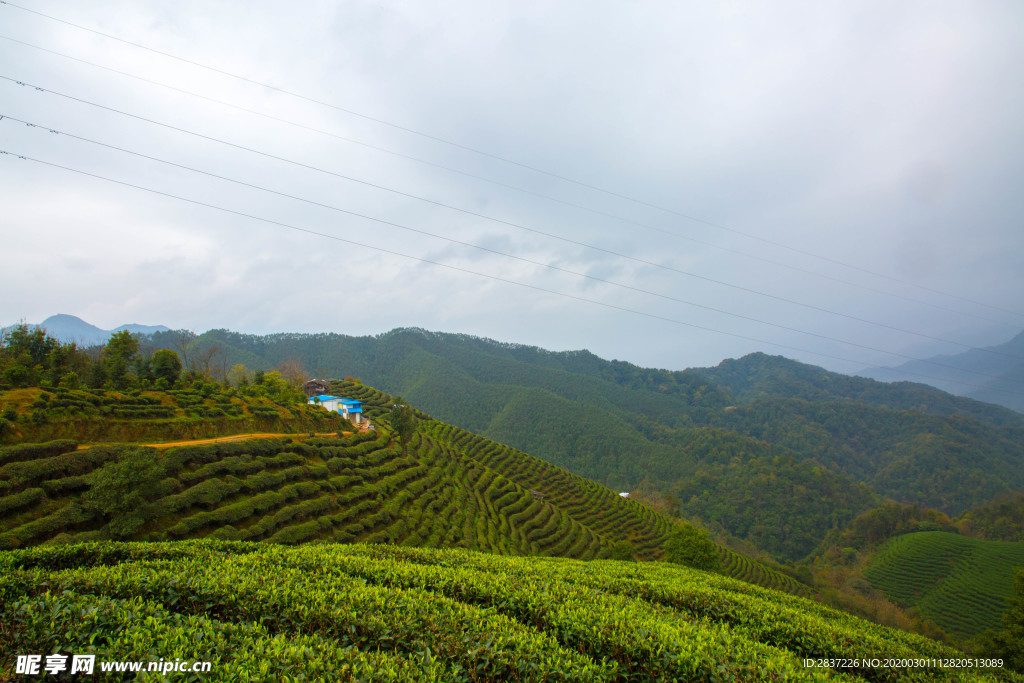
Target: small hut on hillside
{"points": [[316, 387]]}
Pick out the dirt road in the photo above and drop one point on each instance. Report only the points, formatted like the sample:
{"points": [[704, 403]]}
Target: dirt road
{"points": [[233, 437]]}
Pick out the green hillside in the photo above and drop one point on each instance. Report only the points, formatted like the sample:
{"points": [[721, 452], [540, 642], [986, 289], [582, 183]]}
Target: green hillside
{"points": [[387, 613], [963, 585], [946, 463], [451, 488], [759, 427], [338, 489]]}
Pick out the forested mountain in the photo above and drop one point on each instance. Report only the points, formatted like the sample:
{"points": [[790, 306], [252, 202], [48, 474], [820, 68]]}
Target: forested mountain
{"points": [[740, 446], [1003, 363], [762, 376]]}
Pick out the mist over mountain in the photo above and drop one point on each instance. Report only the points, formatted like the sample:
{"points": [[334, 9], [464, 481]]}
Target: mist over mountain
{"points": [[1001, 381]]}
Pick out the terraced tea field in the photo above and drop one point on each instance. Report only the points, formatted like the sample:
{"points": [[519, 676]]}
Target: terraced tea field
{"points": [[962, 584], [260, 611], [589, 503], [200, 411], [329, 489], [452, 489]]}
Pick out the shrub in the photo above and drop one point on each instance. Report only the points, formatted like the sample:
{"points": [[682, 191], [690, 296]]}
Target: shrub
{"points": [[622, 551], [20, 500], [64, 465], [60, 521], [65, 485], [122, 491], [691, 546]]}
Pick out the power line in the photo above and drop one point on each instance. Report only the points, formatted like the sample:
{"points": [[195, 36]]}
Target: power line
{"points": [[515, 188], [519, 226], [460, 242], [437, 263], [506, 160], [494, 277]]}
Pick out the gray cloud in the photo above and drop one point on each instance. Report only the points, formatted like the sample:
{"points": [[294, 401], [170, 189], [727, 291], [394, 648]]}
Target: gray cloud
{"points": [[884, 136]]}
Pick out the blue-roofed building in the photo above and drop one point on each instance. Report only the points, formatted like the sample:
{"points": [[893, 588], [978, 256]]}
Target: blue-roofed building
{"points": [[348, 408]]}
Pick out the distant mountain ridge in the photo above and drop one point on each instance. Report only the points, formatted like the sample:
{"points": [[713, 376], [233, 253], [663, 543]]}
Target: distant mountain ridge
{"points": [[70, 328], [1005, 362]]}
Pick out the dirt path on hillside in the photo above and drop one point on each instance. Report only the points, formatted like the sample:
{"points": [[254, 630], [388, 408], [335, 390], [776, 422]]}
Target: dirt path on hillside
{"points": [[219, 439]]}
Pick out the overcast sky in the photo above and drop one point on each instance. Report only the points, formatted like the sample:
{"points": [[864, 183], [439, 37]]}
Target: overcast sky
{"points": [[846, 170]]}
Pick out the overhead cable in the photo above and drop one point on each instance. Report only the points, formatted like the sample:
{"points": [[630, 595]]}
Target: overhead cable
{"points": [[509, 161], [518, 226], [515, 188], [451, 240], [480, 274]]}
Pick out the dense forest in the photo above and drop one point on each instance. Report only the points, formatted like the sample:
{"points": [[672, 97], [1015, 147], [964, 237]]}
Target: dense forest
{"points": [[759, 375], [841, 445]]}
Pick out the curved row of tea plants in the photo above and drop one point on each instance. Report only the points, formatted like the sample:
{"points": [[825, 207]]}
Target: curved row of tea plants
{"points": [[745, 569], [587, 503], [356, 488], [372, 612]]}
